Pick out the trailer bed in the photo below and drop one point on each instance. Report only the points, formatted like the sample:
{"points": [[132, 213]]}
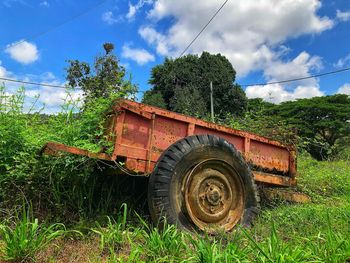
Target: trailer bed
{"points": [[141, 133]]}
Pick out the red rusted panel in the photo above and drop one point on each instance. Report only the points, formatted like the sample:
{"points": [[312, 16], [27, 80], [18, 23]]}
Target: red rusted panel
{"points": [[167, 131], [170, 127], [269, 156], [273, 179], [54, 148], [143, 132], [136, 131]]}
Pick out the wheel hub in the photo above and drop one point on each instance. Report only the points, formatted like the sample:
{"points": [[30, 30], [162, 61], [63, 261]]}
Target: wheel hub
{"points": [[214, 195]]}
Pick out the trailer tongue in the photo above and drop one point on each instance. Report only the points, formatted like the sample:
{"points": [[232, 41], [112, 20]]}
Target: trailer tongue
{"points": [[202, 175]]}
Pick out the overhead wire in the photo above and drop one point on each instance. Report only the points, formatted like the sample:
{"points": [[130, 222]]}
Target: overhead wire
{"points": [[84, 12], [297, 79], [182, 53], [32, 83], [203, 28], [243, 85], [42, 84]]}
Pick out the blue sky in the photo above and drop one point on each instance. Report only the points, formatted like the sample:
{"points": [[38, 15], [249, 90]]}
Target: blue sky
{"points": [[264, 40]]}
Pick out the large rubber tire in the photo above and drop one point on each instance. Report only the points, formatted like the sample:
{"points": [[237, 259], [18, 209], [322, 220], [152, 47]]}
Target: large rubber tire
{"points": [[170, 201]]}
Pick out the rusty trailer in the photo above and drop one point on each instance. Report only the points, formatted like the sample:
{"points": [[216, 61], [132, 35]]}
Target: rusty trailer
{"points": [[202, 175]]}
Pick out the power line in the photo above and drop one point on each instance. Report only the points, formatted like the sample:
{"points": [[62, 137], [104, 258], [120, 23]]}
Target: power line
{"points": [[182, 53], [297, 79], [43, 84], [59, 25], [243, 85], [32, 83], [205, 26]]}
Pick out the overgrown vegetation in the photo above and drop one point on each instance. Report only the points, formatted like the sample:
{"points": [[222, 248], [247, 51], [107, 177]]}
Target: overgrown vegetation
{"points": [[315, 232], [183, 85], [105, 77], [68, 187], [318, 125], [42, 198], [25, 236], [72, 191]]}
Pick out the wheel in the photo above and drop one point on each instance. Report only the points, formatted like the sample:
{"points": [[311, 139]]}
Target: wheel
{"points": [[202, 182]]}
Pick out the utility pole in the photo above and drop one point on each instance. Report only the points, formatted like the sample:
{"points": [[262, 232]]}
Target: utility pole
{"points": [[211, 101]]}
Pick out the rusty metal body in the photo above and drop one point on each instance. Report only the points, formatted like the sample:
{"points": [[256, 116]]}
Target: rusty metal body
{"points": [[141, 133]]}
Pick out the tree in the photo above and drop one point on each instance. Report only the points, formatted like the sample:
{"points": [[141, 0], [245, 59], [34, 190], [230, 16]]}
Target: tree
{"points": [[323, 122], [183, 99], [154, 98], [193, 74], [257, 105], [101, 79]]}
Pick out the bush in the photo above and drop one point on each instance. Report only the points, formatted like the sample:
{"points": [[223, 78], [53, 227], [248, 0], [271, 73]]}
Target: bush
{"points": [[67, 187]]}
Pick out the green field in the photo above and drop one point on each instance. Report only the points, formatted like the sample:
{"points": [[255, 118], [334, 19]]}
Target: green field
{"points": [[69, 209], [314, 232]]}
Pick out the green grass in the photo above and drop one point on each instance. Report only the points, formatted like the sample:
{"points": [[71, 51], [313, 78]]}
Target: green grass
{"points": [[26, 237], [314, 232], [74, 191]]}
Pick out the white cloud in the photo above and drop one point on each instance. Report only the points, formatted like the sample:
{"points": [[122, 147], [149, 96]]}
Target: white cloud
{"points": [[44, 3], [300, 66], [250, 33], [345, 89], [3, 71], [276, 93], [110, 19], [277, 70], [342, 61], [245, 31], [133, 9], [343, 16], [51, 97], [23, 52], [154, 38], [141, 56]]}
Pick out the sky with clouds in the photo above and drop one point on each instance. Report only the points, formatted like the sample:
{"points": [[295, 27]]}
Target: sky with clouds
{"points": [[265, 40]]}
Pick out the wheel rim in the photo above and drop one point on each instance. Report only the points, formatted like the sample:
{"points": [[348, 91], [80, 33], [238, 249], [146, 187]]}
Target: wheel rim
{"points": [[214, 195]]}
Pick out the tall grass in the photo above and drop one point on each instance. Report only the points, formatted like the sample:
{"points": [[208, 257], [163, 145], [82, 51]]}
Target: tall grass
{"points": [[115, 234], [165, 243], [212, 249], [26, 237], [69, 188], [72, 189]]}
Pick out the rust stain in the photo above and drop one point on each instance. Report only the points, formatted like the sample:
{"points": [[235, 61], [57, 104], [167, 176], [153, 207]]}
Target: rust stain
{"points": [[287, 195], [54, 148], [142, 133]]}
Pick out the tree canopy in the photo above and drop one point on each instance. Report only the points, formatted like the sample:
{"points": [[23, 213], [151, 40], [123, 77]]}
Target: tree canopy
{"points": [[184, 85], [323, 122], [104, 77]]}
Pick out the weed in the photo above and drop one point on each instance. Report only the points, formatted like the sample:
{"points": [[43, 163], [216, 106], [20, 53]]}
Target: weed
{"points": [[27, 237], [228, 247], [72, 189], [112, 236], [330, 246], [273, 249], [162, 244]]}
